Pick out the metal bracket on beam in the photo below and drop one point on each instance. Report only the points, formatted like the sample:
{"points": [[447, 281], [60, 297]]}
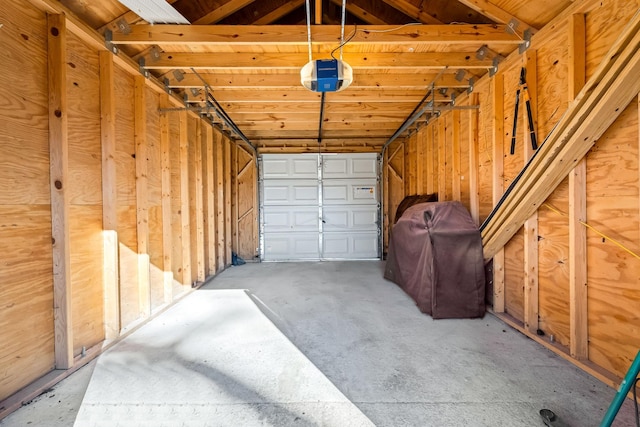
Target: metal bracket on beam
{"points": [[493, 70], [141, 68], [471, 83], [108, 41], [166, 85], [453, 98], [526, 41], [123, 26]]}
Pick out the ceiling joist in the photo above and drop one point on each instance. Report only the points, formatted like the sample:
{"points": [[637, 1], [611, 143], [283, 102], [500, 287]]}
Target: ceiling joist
{"points": [[498, 15], [294, 61], [288, 35]]}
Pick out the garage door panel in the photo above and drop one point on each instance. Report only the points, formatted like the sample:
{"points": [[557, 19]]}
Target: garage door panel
{"points": [[290, 193], [348, 185], [302, 166], [283, 218], [348, 218], [291, 246], [350, 246], [343, 191], [349, 166]]}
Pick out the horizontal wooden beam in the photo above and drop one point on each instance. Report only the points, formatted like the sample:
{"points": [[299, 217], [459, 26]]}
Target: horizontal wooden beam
{"points": [[295, 61], [287, 125], [225, 81], [304, 117], [341, 107], [302, 95], [313, 134], [289, 35]]}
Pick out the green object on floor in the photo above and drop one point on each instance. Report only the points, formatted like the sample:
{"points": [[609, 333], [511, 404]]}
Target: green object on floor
{"points": [[628, 382]]}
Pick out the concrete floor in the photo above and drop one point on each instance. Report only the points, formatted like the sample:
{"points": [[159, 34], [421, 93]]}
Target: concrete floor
{"points": [[320, 344]]}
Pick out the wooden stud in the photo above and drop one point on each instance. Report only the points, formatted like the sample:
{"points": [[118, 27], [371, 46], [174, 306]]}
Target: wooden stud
{"points": [[235, 235], [429, 161], [531, 277], [442, 159], [185, 224], [167, 233], [219, 184], [578, 316], [142, 199], [318, 12], [199, 204], [59, 170], [455, 158], [209, 200], [109, 198], [228, 241], [497, 89], [474, 195]]}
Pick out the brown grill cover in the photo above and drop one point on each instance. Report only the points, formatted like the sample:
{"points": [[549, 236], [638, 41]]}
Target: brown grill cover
{"points": [[435, 255]]}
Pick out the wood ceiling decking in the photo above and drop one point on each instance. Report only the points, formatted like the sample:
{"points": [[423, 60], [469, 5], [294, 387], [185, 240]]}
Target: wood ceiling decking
{"points": [[250, 53]]}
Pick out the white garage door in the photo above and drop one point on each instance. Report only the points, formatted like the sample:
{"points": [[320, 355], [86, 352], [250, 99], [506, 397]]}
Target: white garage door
{"points": [[319, 207]]}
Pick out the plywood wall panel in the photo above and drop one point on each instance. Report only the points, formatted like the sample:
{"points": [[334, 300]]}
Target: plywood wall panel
{"points": [[485, 153], [552, 73], [197, 256], [86, 276], [126, 197], [27, 341], [514, 276], [604, 25], [176, 202], [553, 265], [85, 187], [464, 159], [613, 274], [154, 194], [24, 152]]}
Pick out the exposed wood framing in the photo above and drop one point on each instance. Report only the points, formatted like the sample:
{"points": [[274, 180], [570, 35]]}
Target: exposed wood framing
{"points": [[165, 167], [578, 322], [455, 156], [185, 226], [474, 188], [109, 198], [411, 10], [220, 210], [281, 11], [142, 199], [292, 61], [604, 97], [326, 34], [493, 12], [59, 162], [531, 303], [497, 90], [209, 200], [198, 204], [430, 153], [221, 12], [318, 12], [442, 160], [361, 13], [228, 231]]}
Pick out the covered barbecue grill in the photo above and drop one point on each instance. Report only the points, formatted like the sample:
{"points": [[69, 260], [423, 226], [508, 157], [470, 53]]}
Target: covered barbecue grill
{"points": [[435, 255]]}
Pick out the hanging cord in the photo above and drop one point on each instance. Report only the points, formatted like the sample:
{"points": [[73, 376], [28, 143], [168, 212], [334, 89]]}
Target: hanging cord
{"points": [[614, 241], [344, 14], [309, 28]]}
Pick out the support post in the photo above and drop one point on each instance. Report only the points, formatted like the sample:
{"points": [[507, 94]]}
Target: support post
{"points": [[474, 196], [59, 172], [165, 171], [497, 89]]}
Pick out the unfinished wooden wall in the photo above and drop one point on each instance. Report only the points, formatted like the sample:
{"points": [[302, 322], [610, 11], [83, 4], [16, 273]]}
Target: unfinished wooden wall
{"points": [[538, 285], [114, 201]]}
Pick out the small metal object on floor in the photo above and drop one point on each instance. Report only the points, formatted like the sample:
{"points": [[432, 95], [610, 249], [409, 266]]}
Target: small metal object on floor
{"points": [[551, 419]]}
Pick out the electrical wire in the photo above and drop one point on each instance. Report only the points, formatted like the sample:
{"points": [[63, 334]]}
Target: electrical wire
{"points": [[590, 227], [356, 30]]}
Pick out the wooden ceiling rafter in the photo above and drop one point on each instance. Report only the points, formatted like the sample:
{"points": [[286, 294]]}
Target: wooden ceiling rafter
{"points": [[219, 13], [279, 12], [413, 11], [361, 13], [498, 15]]}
